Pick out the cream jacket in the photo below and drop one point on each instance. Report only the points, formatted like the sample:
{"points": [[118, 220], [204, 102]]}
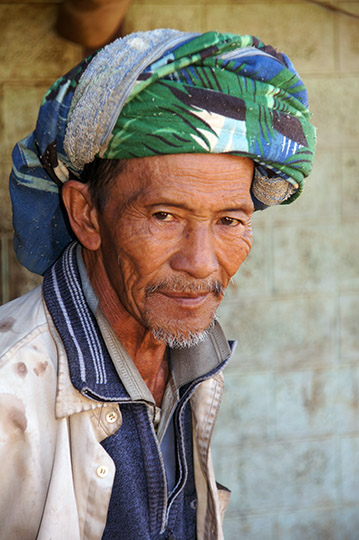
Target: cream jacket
{"points": [[56, 478]]}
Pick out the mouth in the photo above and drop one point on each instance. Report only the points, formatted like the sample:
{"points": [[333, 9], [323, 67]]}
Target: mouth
{"points": [[191, 299], [179, 288]]}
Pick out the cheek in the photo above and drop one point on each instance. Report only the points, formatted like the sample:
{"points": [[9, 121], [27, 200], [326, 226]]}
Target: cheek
{"points": [[140, 253], [235, 253]]}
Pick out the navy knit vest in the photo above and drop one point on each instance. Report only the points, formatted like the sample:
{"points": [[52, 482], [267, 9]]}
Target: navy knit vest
{"points": [[140, 507]]}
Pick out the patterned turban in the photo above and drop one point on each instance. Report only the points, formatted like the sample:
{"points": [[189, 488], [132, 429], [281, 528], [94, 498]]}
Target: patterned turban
{"points": [[155, 93]]}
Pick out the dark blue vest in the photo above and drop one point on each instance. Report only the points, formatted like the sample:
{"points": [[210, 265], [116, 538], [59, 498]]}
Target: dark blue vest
{"points": [[140, 506]]}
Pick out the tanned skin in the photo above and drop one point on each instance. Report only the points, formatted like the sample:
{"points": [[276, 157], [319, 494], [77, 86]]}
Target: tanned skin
{"points": [[172, 227]]}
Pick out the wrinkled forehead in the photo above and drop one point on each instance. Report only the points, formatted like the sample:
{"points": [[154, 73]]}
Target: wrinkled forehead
{"points": [[178, 176]]}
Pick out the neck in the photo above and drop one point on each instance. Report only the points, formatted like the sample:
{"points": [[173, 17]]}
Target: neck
{"points": [[148, 354]]}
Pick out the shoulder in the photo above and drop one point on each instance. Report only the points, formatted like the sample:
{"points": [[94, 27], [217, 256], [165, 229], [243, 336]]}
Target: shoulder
{"points": [[28, 358], [28, 426], [23, 322]]}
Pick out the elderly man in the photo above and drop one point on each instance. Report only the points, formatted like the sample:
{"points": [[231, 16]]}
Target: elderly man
{"points": [[134, 198]]}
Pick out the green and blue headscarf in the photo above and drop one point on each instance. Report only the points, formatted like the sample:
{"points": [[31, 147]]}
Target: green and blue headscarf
{"points": [[155, 93]]}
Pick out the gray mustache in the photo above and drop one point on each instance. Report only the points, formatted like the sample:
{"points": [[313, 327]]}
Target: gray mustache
{"points": [[186, 286]]}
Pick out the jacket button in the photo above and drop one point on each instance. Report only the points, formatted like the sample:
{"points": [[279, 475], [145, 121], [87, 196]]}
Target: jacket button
{"points": [[111, 417], [102, 471]]}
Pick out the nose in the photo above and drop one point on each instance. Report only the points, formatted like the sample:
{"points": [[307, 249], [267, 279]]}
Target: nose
{"points": [[196, 255]]}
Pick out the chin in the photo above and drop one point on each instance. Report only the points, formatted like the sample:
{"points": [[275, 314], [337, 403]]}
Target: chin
{"points": [[180, 338]]}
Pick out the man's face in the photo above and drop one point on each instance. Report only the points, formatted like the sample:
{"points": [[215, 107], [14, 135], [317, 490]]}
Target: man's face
{"points": [[174, 231]]}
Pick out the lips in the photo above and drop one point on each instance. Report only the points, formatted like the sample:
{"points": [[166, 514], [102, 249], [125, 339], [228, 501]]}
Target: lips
{"points": [[186, 299], [186, 288]]}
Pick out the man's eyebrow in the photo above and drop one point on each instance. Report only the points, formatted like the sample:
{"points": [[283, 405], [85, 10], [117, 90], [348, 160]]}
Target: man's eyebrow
{"points": [[246, 207], [168, 202]]}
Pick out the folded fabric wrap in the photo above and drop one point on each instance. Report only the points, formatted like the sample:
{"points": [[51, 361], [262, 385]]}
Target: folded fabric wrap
{"points": [[155, 93]]}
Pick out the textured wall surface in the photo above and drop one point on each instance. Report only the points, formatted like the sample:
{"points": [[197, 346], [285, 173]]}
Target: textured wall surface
{"points": [[32, 57], [287, 439]]}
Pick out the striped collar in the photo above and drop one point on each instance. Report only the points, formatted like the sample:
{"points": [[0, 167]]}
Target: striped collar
{"points": [[91, 360]]}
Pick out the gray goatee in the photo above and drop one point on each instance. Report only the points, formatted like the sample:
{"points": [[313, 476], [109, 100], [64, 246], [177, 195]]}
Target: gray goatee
{"points": [[180, 338]]}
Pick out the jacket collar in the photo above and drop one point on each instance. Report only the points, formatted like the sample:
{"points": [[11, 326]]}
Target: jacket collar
{"points": [[86, 373]]}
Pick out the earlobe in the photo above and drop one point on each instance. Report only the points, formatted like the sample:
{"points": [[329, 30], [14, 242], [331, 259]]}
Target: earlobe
{"points": [[82, 214]]}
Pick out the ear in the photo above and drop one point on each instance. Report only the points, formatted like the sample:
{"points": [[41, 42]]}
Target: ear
{"points": [[82, 213]]}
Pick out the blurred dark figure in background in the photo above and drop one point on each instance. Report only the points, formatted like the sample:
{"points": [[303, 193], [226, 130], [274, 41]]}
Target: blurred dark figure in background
{"points": [[91, 23]]}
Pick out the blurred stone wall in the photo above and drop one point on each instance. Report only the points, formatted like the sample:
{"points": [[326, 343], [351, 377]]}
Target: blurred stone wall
{"points": [[287, 438], [32, 57]]}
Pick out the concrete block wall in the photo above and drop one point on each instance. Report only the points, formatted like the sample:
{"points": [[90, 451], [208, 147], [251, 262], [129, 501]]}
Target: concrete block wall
{"points": [[287, 438], [32, 57]]}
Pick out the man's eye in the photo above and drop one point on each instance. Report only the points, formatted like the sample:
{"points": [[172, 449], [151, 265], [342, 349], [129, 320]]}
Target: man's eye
{"points": [[163, 216], [229, 222]]}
